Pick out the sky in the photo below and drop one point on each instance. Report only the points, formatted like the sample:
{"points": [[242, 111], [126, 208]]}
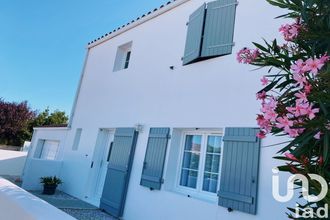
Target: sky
{"points": [[43, 45]]}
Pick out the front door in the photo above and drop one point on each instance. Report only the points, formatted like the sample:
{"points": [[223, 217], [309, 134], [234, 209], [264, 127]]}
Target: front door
{"points": [[105, 157], [118, 172]]}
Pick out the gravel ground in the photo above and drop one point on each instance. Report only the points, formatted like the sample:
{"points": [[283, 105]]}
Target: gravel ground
{"points": [[58, 195], [88, 214]]}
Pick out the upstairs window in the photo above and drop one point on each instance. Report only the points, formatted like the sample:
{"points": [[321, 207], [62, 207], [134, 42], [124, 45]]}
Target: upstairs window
{"points": [[123, 57], [210, 31]]}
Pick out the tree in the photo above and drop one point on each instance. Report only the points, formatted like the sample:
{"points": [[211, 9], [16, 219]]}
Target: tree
{"points": [[17, 121], [296, 97], [14, 122], [46, 118]]}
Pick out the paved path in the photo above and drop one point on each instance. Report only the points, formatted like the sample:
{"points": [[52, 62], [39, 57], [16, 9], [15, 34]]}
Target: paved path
{"points": [[73, 206]]}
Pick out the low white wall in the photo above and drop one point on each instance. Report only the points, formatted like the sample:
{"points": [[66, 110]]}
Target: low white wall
{"points": [[36, 168], [15, 203], [12, 162]]}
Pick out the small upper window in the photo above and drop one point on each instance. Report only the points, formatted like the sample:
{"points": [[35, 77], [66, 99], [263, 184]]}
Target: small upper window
{"points": [[123, 57]]}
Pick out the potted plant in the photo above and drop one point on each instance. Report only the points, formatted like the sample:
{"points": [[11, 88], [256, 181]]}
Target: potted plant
{"points": [[50, 184]]}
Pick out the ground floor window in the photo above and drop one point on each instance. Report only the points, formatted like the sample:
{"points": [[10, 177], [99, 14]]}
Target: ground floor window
{"points": [[47, 149], [200, 162]]}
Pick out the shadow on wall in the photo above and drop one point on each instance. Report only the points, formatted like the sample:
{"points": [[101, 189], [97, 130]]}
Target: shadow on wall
{"points": [[12, 162]]}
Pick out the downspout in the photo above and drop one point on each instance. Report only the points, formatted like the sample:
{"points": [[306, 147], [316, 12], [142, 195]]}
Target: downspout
{"points": [[78, 90]]}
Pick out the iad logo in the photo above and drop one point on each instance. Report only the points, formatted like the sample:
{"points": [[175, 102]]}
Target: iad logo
{"points": [[308, 212]]}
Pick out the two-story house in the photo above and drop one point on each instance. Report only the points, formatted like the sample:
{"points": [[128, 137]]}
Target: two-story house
{"points": [[163, 125]]}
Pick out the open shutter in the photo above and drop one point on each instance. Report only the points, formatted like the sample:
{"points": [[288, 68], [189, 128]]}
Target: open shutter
{"points": [[239, 173], [152, 174], [219, 28], [118, 173], [194, 35]]}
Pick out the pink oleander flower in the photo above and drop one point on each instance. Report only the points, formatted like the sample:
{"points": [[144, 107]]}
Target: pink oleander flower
{"points": [[302, 97], [290, 31], [290, 156], [261, 95], [264, 124], [261, 135], [313, 65], [308, 88], [270, 105], [324, 58], [264, 81], [298, 67], [284, 122], [299, 110], [311, 112], [292, 132], [247, 55], [300, 79], [318, 135]]}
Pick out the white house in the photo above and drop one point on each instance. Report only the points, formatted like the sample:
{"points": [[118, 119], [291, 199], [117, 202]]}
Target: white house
{"points": [[163, 125]]}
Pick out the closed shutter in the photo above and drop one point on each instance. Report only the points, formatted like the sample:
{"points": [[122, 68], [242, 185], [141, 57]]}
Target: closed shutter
{"points": [[219, 28], [152, 174], [194, 35], [239, 173], [118, 173]]}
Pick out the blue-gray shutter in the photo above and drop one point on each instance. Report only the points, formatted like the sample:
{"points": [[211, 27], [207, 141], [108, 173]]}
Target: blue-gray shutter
{"points": [[239, 172], [194, 35], [119, 169], [152, 174], [219, 28]]}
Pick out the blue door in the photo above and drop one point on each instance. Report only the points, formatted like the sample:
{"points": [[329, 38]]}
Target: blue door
{"points": [[118, 172]]}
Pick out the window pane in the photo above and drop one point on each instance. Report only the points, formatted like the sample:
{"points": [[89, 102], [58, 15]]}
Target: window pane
{"points": [[190, 160], [212, 162], [190, 163], [193, 143], [49, 150], [210, 182], [189, 178], [128, 56], [213, 144]]}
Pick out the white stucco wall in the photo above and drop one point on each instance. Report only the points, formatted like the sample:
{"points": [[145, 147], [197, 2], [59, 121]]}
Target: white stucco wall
{"points": [[215, 93], [16, 203], [12, 162], [34, 167]]}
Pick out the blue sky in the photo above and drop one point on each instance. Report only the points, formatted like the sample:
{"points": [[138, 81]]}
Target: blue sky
{"points": [[43, 45]]}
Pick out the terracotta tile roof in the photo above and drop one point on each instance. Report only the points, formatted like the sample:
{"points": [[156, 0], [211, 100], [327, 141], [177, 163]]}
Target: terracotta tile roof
{"points": [[129, 23]]}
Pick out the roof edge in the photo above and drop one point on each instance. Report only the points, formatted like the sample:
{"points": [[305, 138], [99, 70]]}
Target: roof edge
{"points": [[140, 20]]}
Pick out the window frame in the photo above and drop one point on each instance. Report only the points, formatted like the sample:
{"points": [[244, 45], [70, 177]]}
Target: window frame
{"points": [[123, 57], [42, 148], [198, 192]]}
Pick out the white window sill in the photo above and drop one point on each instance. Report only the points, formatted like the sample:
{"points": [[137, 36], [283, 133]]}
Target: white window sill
{"points": [[205, 197]]}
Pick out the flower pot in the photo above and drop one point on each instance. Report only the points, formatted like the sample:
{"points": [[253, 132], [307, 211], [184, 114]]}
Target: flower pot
{"points": [[49, 189]]}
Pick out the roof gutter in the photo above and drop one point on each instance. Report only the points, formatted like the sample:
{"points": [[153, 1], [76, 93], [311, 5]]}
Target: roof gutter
{"points": [[138, 22]]}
